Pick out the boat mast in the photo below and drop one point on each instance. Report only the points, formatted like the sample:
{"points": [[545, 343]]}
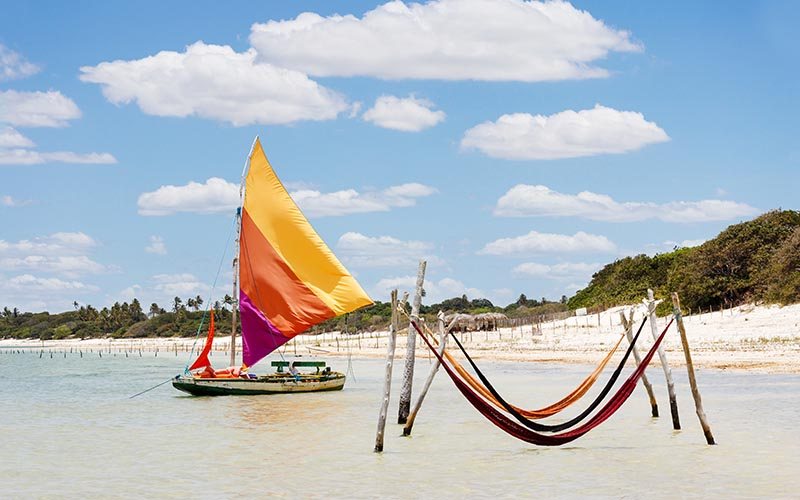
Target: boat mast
{"points": [[236, 253]]}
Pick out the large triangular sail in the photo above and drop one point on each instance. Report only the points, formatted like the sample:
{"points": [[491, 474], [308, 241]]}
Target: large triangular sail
{"points": [[289, 280]]}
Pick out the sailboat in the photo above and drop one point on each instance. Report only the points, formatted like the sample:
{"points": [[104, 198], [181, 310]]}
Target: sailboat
{"points": [[285, 281]]}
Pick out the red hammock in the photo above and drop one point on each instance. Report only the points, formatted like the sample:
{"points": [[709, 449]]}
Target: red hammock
{"points": [[524, 434]]}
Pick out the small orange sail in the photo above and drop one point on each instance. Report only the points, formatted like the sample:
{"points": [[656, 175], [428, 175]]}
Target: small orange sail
{"points": [[202, 360]]}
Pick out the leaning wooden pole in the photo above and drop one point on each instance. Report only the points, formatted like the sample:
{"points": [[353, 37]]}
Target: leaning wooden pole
{"points": [[698, 402], [662, 356], [628, 325], [434, 368], [411, 344], [387, 382]]}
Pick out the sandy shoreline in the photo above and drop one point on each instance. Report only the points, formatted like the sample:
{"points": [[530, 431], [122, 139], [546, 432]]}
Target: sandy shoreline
{"points": [[752, 338]]}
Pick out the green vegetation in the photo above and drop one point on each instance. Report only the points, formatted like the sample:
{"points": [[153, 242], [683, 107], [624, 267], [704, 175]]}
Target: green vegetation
{"points": [[758, 260]]}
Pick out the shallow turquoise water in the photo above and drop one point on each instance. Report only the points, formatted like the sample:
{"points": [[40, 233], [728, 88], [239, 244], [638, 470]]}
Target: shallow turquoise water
{"points": [[69, 430]]}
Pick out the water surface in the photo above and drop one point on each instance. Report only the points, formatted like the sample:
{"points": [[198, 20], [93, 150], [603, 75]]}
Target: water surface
{"points": [[69, 430]]}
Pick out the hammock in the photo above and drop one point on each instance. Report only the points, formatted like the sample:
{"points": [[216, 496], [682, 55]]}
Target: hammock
{"points": [[547, 411], [524, 434], [564, 425]]}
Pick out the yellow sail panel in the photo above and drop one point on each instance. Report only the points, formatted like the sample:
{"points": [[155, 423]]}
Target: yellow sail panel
{"points": [[289, 233]]}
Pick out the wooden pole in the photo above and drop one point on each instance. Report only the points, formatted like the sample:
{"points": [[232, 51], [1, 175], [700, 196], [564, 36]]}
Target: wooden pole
{"points": [[411, 337], [662, 356], [387, 382], [698, 403], [628, 325], [434, 368]]}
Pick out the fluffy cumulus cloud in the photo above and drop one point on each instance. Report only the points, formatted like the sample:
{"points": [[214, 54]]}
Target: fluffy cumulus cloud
{"points": [[156, 246], [359, 250], [219, 195], [568, 134], [560, 271], [215, 195], [408, 114], [435, 291], [11, 138], [549, 243], [13, 65], [37, 109], [495, 40], [524, 200], [216, 82]]}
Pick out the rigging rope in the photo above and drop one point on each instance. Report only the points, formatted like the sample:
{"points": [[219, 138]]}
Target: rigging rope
{"points": [[514, 429], [210, 296]]}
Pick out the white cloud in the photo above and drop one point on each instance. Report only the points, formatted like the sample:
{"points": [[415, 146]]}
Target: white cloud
{"points": [[560, 271], [540, 243], [156, 246], [68, 265], [56, 244], [494, 40], [350, 201], [37, 109], [59, 253], [219, 195], [216, 82], [524, 200], [10, 138], [30, 283], [408, 114], [13, 65], [359, 250], [435, 291], [568, 134], [28, 157], [216, 195]]}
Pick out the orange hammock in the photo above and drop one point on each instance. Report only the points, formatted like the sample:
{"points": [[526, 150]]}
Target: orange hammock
{"points": [[548, 411]]}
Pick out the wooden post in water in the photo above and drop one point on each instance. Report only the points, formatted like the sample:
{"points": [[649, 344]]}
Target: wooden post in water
{"points": [[387, 382], [434, 368], [698, 403], [662, 356], [628, 325], [408, 373]]}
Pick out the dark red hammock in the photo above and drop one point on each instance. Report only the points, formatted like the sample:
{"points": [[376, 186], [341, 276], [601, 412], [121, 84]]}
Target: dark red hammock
{"points": [[527, 435], [564, 425]]}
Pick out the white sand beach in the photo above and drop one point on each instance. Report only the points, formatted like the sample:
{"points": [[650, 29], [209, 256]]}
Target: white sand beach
{"points": [[750, 337]]}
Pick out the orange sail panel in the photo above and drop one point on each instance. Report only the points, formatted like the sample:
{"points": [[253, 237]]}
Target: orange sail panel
{"points": [[289, 278], [202, 360]]}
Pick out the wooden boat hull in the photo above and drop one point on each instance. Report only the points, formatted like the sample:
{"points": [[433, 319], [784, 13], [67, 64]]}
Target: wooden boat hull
{"points": [[269, 384]]}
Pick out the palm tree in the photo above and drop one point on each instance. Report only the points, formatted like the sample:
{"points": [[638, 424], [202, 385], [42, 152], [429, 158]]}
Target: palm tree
{"points": [[177, 304], [191, 303], [154, 310], [198, 303]]}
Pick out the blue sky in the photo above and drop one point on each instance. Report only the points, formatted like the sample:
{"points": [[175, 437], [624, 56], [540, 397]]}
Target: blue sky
{"points": [[516, 146]]}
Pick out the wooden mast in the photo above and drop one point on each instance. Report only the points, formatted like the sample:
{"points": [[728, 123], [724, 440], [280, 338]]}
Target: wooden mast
{"points": [[235, 307]]}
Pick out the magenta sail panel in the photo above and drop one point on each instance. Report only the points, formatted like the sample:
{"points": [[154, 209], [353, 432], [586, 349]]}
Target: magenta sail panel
{"points": [[259, 336]]}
